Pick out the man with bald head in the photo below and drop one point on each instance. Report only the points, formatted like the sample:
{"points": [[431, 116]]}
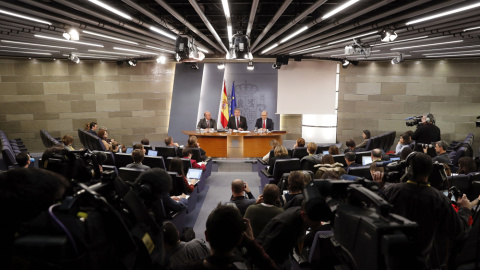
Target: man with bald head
{"points": [[242, 197], [207, 121], [264, 122]]}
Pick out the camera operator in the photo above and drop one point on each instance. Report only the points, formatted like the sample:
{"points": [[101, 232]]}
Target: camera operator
{"points": [[426, 133], [418, 201]]}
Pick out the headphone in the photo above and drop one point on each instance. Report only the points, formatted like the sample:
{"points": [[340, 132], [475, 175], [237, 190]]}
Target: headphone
{"points": [[409, 160], [429, 118]]}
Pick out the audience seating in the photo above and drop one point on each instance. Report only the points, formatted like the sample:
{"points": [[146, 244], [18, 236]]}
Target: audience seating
{"points": [[299, 152], [90, 141], [129, 174], [123, 159], [165, 152], [110, 158], [283, 183], [261, 164], [110, 168], [281, 166], [323, 147], [461, 182], [154, 162], [359, 155], [307, 164], [340, 159], [383, 141], [48, 141], [177, 218], [362, 171], [10, 148]]}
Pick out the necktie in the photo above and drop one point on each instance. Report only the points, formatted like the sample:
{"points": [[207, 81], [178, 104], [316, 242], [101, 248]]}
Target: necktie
{"points": [[208, 124], [264, 124], [238, 124]]}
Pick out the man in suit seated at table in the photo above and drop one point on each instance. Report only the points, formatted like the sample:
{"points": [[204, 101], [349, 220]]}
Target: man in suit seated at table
{"points": [[264, 122], [207, 121], [237, 122]]}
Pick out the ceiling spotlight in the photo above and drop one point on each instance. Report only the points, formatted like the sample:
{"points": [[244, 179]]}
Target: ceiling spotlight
{"points": [[194, 66], [71, 34], [240, 49], [186, 50], [250, 66], [397, 59], [132, 62], [345, 63], [388, 35], [221, 65], [72, 57], [276, 66], [161, 59]]}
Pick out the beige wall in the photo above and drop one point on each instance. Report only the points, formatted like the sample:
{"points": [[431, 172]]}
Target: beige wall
{"points": [[61, 96], [378, 96]]}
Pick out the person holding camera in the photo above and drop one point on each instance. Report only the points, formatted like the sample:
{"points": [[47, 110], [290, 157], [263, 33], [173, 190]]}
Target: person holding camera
{"points": [[242, 197], [441, 150], [417, 201], [426, 133]]}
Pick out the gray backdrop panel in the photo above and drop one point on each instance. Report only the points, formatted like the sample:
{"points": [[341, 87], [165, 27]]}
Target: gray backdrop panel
{"points": [[186, 94], [212, 86]]}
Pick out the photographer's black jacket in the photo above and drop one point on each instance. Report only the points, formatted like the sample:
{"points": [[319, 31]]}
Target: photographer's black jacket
{"points": [[427, 133]]}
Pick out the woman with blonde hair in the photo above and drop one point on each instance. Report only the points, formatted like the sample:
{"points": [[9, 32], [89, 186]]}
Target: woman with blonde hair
{"points": [[280, 153]]}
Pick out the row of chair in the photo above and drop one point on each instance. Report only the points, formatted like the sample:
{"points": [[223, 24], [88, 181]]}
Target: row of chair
{"points": [[48, 140], [10, 148], [383, 141], [467, 184], [90, 141]]}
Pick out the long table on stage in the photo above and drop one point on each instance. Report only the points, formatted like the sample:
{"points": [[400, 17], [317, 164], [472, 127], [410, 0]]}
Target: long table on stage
{"points": [[235, 145]]}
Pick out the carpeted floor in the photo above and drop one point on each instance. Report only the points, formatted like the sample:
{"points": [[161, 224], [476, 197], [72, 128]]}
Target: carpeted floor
{"points": [[218, 190]]}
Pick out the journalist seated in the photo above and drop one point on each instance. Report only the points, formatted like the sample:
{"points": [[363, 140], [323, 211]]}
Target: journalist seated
{"points": [[138, 155], [154, 185], [416, 200]]}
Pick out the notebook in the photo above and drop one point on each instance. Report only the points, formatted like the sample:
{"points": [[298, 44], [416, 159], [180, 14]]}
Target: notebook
{"points": [[129, 150], [366, 160], [152, 153], [194, 174]]}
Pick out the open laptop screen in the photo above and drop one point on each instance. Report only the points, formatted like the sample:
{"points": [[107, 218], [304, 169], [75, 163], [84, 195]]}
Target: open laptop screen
{"points": [[129, 150], [194, 173], [325, 152], [152, 153], [366, 160]]}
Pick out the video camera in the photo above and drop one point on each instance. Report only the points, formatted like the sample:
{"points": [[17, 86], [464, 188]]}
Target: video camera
{"points": [[365, 234], [413, 121]]}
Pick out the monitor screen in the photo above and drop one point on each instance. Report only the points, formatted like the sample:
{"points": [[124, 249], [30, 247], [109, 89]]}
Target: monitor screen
{"points": [[129, 150], [152, 153], [325, 152], [366, 160], [394, 158], [194, 173]]}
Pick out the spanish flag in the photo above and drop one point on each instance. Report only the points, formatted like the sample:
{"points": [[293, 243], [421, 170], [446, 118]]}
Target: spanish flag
{"points": [[224, 107]]}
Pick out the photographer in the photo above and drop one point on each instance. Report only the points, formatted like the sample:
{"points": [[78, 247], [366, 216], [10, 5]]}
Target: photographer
{"points": [[426, 133], [441, 150], [416, 200]]}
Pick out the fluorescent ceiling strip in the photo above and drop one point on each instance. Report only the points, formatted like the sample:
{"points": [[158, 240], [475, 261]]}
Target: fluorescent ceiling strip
{"points": [[381, 57], [425, 45], [226, 9], [470, 29], [312, 48], [161, 32], [270, 48], [453, 11], [400, 41], [24, 17], [350, 38], [328, 52], [10, 47], [340, 8], [94, 56], [202, 49], [294, 34], [116, 53], [160, 49], [129, 50], [70, 41], [111, 9], [230, 32], [109, 37], [460, 52], [453, 55], [35, 44], [26, 52], [350, 54], [450, 48]]}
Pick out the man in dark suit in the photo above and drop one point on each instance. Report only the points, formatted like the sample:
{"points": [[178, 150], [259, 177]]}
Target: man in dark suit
{"points": [[207, 121], [237, 122], [264, 122]]}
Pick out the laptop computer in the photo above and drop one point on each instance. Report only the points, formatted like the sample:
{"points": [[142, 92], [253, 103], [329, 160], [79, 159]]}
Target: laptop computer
{"points": [[152, 153], [129, 150], [325, 152], [194, 174], [366, 160], [394, 158]]}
